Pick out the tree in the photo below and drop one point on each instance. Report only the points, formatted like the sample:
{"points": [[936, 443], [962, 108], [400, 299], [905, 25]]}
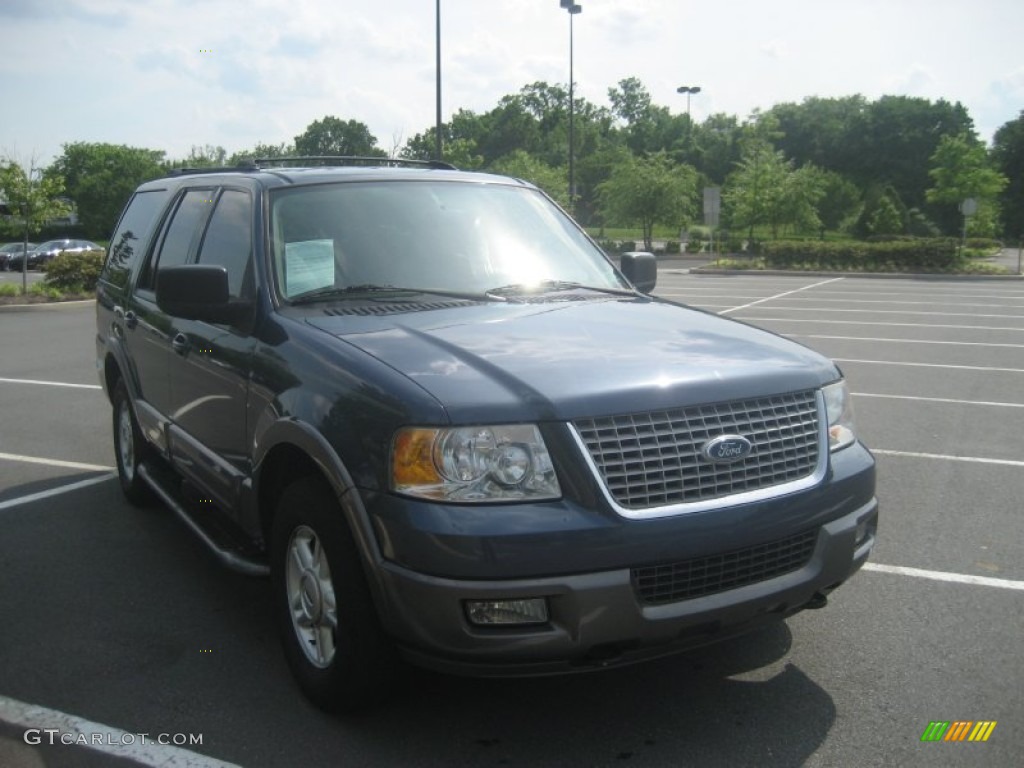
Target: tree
{"points": [[334, 136], [1008, 158], [522, 165], [101, 178], [840, 202], [261, 150], [648, 191], [207, 156], [960, 170], [766, 189], [31, 204]]}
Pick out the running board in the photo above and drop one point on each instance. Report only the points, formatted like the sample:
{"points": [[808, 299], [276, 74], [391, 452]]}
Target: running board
{"points": [[236, 561]]}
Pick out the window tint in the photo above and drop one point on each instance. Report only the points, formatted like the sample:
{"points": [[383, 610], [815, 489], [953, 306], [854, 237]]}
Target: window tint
{"points": [[181, 232], [228, 241], [132, 232]]}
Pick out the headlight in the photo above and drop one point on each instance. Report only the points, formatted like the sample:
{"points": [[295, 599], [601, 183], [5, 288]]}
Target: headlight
{"points": [[473, 464], [839, 410]]}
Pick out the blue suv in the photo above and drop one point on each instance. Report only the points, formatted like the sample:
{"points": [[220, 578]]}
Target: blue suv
{"points": [[452, 431]]}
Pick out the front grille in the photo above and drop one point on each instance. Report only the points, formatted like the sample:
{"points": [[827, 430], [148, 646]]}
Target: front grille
{"points": [[717, 573], [654, 459]]}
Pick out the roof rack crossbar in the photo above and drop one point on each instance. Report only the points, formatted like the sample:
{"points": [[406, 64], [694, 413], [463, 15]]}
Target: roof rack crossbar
{"points": [[355, 160]]}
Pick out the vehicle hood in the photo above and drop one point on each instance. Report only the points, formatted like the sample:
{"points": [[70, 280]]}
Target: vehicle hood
{"points": [[563, 360]]}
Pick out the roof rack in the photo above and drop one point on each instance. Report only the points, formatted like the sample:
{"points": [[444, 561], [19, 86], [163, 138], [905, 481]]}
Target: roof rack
{"points": [[243, 166], [343, 160]]}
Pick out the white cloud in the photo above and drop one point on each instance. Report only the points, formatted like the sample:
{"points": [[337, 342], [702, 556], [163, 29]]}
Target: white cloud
{"points": [[132, 72]]}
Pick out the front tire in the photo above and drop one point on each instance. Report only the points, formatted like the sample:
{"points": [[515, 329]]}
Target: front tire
{"points": [[130, 448], [329, 628]]}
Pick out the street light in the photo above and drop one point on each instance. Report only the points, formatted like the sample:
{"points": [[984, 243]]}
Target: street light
{"points": [[688, 89], [437, 41], [573, 9]]}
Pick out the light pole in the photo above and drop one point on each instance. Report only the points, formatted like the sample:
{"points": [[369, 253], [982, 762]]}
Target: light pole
{"points": [[688, 90], [573, 9], [437, 124]]}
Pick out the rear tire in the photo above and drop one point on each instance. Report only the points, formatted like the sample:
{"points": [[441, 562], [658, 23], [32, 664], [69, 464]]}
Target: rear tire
{"points": [[332, 638], [130, 448]]}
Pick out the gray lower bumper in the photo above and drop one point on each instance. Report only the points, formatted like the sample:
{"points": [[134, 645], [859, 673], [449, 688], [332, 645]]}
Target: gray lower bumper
{"points": [[596, 619]]}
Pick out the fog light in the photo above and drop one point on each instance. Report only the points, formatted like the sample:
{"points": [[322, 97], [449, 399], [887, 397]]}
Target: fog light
{"points": [[507, 612], [865, 528]]}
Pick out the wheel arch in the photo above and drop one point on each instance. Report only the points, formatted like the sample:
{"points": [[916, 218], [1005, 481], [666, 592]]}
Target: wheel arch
{"points": [[291, 449]]}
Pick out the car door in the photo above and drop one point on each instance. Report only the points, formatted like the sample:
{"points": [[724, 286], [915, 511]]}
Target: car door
{"points": [[210, 363], [148, 330]]}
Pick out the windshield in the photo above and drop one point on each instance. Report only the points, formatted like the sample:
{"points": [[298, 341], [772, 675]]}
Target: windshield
{"points": [[464, 237]]}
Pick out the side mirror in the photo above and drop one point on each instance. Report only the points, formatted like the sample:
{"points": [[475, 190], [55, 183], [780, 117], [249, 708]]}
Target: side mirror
{"points": [[641, 269], [198, 292]]}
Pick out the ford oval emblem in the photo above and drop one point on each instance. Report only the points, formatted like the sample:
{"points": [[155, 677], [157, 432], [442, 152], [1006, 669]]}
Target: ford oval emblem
{"points": [[725, 449]]}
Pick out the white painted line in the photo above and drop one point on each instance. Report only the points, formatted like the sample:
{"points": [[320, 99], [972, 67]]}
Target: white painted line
{"points": [[957, 578], [905, 341], [939, 400], [989, 305], [876, 312], [819, 321], [943, 457], [54, 462], [50, 383], [67, 729], [929, 365], [54, 491], [781, 295]]}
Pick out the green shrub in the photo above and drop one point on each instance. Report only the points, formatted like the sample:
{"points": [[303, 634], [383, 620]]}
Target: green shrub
{"points": [[672, 246], [75, 271], [983, 244], [923, 255], [625, 246]]}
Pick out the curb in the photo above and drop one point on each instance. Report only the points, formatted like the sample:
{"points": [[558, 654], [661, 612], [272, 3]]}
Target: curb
{"points": [[46, 305]]}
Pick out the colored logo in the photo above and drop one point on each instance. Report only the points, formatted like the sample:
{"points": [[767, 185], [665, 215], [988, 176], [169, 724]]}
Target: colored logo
{"points": [[958, 730], [726, 449]]}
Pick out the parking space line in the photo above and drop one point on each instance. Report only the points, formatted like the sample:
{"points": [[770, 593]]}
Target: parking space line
{"points": [[54, 462], [50, 383], [939, 400], [819, 321], [905, 341], [102, 738], [944, 457], [957, 578], [885, 312], [929, 365], [781, 295], [55, 491]]}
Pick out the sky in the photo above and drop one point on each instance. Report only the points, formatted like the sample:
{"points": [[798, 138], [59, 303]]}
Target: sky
{"points": [[171, 74]]}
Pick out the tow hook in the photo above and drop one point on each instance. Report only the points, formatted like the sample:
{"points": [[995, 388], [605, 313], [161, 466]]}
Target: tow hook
{"points": [[819, 600]]}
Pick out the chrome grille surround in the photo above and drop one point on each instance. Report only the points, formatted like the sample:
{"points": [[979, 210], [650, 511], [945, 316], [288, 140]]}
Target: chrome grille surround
{"points": [[650, 464]]}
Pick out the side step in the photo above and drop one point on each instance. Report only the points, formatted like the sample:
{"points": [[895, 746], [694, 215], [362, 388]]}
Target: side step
{"points": [[228, 553]]}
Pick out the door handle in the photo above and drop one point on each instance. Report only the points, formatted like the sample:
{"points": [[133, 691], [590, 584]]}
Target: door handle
{"points": [[180, 344], [130, 319]]}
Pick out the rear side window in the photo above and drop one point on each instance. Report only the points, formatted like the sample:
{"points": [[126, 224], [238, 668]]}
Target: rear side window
{"points": [[132, 233], [228, 241], [181, 234]]}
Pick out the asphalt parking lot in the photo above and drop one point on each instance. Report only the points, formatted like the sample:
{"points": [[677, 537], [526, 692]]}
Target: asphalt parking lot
{"points": [[117, 622]]}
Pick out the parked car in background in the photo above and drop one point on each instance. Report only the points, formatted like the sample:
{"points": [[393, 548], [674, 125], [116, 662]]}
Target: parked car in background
{"points": [[10, 250], [39, 256]]}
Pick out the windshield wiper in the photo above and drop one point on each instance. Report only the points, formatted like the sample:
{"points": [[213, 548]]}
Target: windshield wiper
{"points": [[319, 294], [552, 286]]}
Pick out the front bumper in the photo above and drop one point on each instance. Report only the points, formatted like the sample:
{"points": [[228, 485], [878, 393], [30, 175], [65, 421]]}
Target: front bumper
{"points": [[596, 619]]}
